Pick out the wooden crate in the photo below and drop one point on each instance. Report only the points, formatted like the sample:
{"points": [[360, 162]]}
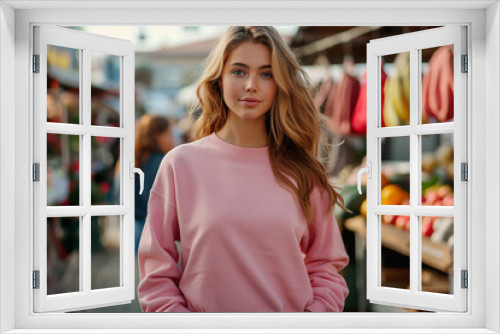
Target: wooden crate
{"points": [[435, 255]]}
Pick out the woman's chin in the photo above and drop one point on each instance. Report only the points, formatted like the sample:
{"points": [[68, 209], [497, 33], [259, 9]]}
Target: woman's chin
{"points": [[250, 116]]}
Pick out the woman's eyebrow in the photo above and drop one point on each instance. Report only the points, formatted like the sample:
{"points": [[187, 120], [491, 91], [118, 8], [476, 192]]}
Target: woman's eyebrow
{"points": [[246, 66]]}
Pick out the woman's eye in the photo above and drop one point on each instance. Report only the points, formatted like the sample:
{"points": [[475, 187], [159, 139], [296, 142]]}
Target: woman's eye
{"points": [[267, 75], [238, 72]]}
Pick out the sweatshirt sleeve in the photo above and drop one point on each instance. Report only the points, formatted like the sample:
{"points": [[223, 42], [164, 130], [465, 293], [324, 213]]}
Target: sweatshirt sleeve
{"points": [[325, 256], [158, 256]]}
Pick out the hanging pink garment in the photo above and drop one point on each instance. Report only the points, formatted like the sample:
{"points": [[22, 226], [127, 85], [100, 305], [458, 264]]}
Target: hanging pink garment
{"points": [[346, 94], [437, 86]]}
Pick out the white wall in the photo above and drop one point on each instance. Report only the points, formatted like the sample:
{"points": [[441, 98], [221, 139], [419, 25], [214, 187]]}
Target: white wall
{"points": [[485, 110], [492, 152], [7, 186]]}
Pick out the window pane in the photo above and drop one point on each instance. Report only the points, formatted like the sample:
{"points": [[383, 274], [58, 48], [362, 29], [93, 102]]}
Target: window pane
{"points": [[105, 78], [437, 84], [437, 254], [395, 175], [63, 255], [63, 84], [63, 170], [105, 153], [437, 170], [396, 90], [395, 243], [105, 234]]}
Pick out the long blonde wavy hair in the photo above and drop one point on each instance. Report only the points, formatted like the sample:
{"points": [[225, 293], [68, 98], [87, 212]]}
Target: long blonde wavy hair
{"points": [[293, 123]]}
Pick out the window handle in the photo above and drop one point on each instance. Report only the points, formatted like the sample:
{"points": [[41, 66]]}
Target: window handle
{"points": [[367, 170], [133, 170]]}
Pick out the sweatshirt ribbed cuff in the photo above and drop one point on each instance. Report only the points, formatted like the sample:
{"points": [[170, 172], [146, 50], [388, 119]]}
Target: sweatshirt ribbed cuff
{"points": [[316, 306], [180, 309]]}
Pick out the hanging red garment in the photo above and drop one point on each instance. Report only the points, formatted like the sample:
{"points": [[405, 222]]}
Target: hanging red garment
{"points": [[358, 120], [343, 104], [322, 93], [329, 101], [437, 86]]}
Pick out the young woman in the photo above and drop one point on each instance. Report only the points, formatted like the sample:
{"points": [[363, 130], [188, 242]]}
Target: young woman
{"points": [[248, 200]]}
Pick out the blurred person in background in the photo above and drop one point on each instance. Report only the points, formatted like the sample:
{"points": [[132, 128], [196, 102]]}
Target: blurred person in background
{"points": [[153, 139]]}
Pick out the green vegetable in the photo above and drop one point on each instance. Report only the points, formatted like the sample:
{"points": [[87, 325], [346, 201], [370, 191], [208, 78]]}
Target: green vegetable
{"points": [[352, 201], [427, 184]]}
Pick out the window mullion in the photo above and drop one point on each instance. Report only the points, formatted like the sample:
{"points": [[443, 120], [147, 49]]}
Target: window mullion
{"points": [[122, 225], [415, 270], [127, 118], [85, 245], [373, 156], [419, 210], [432, 129]]}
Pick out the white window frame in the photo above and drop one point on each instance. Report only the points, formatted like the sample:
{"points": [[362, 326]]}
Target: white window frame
{"points": [[413, 43], [483, 21], [123, 50]]}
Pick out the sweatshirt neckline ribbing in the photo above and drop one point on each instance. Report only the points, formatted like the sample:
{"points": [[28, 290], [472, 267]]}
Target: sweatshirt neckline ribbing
{"points": [[238, 150]]}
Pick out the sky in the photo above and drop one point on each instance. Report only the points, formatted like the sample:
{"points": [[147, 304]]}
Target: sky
{"points": [[158, 36]]}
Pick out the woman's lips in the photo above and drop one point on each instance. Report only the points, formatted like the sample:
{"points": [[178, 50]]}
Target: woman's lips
{"points": [[250, 102]]}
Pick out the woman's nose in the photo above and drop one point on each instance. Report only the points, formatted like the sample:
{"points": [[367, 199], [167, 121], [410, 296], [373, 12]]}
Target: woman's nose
{"points": [[251, 83]]}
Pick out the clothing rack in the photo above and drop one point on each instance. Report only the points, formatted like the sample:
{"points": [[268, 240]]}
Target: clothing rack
{"points": [[337, 42], [333, 40]]}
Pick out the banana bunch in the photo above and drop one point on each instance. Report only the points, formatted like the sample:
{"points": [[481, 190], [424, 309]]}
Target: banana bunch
{"points": [[396, 109]]}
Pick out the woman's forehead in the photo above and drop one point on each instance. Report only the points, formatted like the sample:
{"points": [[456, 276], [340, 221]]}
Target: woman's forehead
{"points": [[250, 54]]}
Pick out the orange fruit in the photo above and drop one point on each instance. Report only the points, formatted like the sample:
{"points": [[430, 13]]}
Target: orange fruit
{"points": [[383, 180], [393, 195], [363, 208]]}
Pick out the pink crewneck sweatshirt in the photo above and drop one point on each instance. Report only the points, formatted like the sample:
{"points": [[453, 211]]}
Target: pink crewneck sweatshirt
{"points": [[245, 242]]}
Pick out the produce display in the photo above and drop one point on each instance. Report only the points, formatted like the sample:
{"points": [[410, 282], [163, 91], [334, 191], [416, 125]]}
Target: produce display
{"points": [[395, 192], [436, 189]]}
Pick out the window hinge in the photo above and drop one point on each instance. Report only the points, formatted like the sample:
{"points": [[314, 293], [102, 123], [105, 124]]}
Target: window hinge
{"points": [[36, 172], [36, 279], [465, 279], [465, 64], [36, 63], [465, 171]]}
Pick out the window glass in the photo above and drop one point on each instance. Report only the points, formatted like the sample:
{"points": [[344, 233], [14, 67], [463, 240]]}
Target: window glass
{"points": [[105, 258], [395, 174], [437, 254], [437, 85], [105, 91], [437, 170], [63, 255], [395, 102], [63, 170], [105, 178], [63, 85], [395, 250]]}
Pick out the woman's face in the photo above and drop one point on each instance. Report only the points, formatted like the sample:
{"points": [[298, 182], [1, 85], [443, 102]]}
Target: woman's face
{"points": [[248, 85]]}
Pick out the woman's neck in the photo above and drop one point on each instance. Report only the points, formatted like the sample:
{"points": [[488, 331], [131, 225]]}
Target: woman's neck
{"points": [[244, 132]]}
